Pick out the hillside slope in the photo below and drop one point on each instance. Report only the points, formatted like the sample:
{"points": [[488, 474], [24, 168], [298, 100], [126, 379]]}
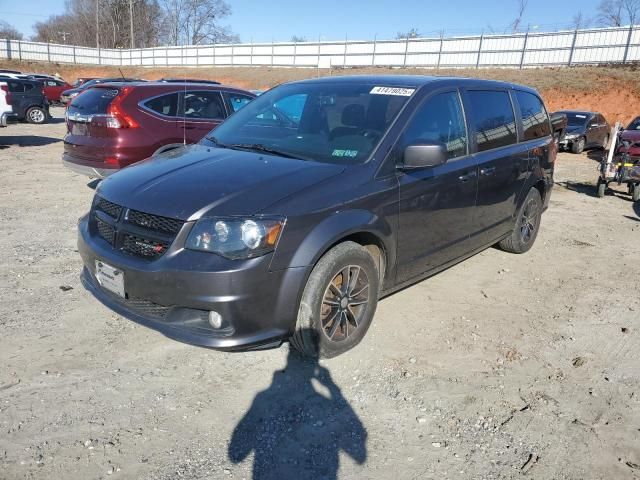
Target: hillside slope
{"points": [[614, 91]]}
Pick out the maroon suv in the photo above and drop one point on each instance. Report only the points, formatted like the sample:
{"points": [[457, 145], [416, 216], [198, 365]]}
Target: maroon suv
{"points": [[113, 125]]}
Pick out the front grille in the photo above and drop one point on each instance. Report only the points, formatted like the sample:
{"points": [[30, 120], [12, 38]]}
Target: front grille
{"points": [[154, 222], [135, 233], [109, 208], [106, 231], [146, 308], [143, 247]]}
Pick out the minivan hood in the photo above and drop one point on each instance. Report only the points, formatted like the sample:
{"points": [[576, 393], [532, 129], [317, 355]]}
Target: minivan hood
{"points": [[195, 181]]}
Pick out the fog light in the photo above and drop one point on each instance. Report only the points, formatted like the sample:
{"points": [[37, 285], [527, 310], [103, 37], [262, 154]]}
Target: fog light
{"points": [[215, 319]]}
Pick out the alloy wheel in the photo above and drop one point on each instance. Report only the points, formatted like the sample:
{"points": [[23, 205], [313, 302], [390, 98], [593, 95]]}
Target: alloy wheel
{"points": [[36, 116], [344, 303], [529, 220]]}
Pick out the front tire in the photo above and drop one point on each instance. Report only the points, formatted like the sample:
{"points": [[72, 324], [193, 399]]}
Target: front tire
{"points": [[577, 146], [605, 142], [601, 188], [635, 194], [338, 302], [527, 224], [36, 115]]}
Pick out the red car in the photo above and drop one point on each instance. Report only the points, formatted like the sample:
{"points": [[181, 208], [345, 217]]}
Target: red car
{"points": [[631, 137], [113, 125], [53, 89]]}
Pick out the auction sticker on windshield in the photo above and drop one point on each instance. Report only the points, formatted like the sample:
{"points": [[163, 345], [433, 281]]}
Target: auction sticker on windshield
{"points": [[401, 92]]}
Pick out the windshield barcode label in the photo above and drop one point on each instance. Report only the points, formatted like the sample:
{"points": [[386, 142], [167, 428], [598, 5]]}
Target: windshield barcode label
{"points": [[401, 92]]}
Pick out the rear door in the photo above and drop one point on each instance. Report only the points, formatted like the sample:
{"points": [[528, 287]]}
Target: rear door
{"points": [[200, 111], [235, 101], [503, 163], [164, 111], [18, 97], [437, 203]]}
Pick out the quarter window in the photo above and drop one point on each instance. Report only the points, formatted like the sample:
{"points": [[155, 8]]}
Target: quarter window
{"points": [[238, 101], [204, 105], [166, 105], [493, 118], [439, 119], [535, 121]]}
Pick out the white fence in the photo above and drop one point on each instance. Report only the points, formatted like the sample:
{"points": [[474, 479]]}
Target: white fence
{"points": [[531, 49]]}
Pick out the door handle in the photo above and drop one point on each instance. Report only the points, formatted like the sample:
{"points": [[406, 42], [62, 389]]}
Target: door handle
{"points": [[467, 176], [487, 171]]}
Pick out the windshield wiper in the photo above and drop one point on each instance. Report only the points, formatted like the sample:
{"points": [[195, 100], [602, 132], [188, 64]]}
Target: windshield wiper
{"points": [[263, 148], [217, 142]]}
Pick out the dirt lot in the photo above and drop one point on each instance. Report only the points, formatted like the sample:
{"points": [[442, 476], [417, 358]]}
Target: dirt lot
{"points": [[502, 367]]}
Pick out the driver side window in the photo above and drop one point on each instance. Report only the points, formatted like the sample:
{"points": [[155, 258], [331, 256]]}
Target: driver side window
{"points": [[439, 119]]}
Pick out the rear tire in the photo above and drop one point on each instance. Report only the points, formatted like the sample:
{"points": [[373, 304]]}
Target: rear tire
{"points": [[334, 317], [577, 146], [526, 226], [36, 115], [601, 188]]}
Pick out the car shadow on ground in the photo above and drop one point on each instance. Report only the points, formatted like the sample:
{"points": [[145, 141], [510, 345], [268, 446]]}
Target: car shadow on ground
{"points": [[585, 188], [596, 154], [56, 120], [299, 425], [26, 141]]}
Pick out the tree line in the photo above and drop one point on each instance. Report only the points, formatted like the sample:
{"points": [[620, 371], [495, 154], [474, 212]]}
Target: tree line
{"points": [[134, 24]]}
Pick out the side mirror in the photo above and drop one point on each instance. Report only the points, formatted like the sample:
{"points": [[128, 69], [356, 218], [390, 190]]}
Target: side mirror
{"points": [[423, 155]]}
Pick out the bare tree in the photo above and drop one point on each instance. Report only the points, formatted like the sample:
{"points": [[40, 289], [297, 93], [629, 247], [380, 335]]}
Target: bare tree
{"points": [[195, 22], [632, 9], [298, 39], [412, 33], [579, 20], [8, 32], [522, 6], [610, 13]]}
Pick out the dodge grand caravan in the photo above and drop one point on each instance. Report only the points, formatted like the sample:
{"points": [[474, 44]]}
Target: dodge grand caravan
{"points": [[290, 220]]}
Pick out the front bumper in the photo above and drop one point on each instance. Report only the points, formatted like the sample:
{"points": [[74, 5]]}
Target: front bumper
{"points": [[173, 294], [8, 119]]}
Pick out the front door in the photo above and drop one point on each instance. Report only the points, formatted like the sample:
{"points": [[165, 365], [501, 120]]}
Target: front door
{"points": [[436, 203]]}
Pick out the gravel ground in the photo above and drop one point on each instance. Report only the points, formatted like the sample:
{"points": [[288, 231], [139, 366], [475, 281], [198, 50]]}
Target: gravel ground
{"points": [[502, 367]]}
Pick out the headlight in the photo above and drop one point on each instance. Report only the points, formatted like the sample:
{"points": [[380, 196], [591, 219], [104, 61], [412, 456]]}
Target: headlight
{"points": [[569, 136], [236, 237]]}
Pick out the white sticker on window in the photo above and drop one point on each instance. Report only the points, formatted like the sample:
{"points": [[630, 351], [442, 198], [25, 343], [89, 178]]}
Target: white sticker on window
{"points": [[401, 92], [345, 153], [581, 116]]}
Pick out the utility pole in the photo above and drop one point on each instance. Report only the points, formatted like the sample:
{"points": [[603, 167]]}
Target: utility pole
{"points": [[64, 36], [131, 21]]}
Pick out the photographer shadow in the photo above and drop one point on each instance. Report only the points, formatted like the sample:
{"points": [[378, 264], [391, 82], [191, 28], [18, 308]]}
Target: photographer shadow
{"points": [[299, 425]]}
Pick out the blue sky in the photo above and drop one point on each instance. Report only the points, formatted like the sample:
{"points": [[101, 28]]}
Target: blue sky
{"points": [[360, 19]]}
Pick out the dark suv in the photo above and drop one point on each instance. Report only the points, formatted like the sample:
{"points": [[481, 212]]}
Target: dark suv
{"points": [[28, 100], [113, 125], [292, 218]]}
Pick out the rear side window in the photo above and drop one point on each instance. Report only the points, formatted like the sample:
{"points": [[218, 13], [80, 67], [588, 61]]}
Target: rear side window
{"points": [[238, 101], [204, 105], [439, 119], [93, 101], [166, 105], [16, 87], [535, 121], [493, 118]]}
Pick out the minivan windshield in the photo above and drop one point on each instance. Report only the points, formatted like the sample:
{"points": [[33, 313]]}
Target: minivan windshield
{"points": [[324, 122]]}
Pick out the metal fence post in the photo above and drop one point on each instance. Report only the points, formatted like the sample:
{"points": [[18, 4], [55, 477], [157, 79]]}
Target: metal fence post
{"points": [[626, 49], [74, 54], [344, 58], [295, 52], [440, 49], [48, 53], [232, 55], [479, 51], [573, 46], [375, 43], [19, 50], [272, 47], [524, 48], [406, 49]]}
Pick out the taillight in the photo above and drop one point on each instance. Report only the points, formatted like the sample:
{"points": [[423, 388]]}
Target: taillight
{"points": [[7, 93], [116, 115]]}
